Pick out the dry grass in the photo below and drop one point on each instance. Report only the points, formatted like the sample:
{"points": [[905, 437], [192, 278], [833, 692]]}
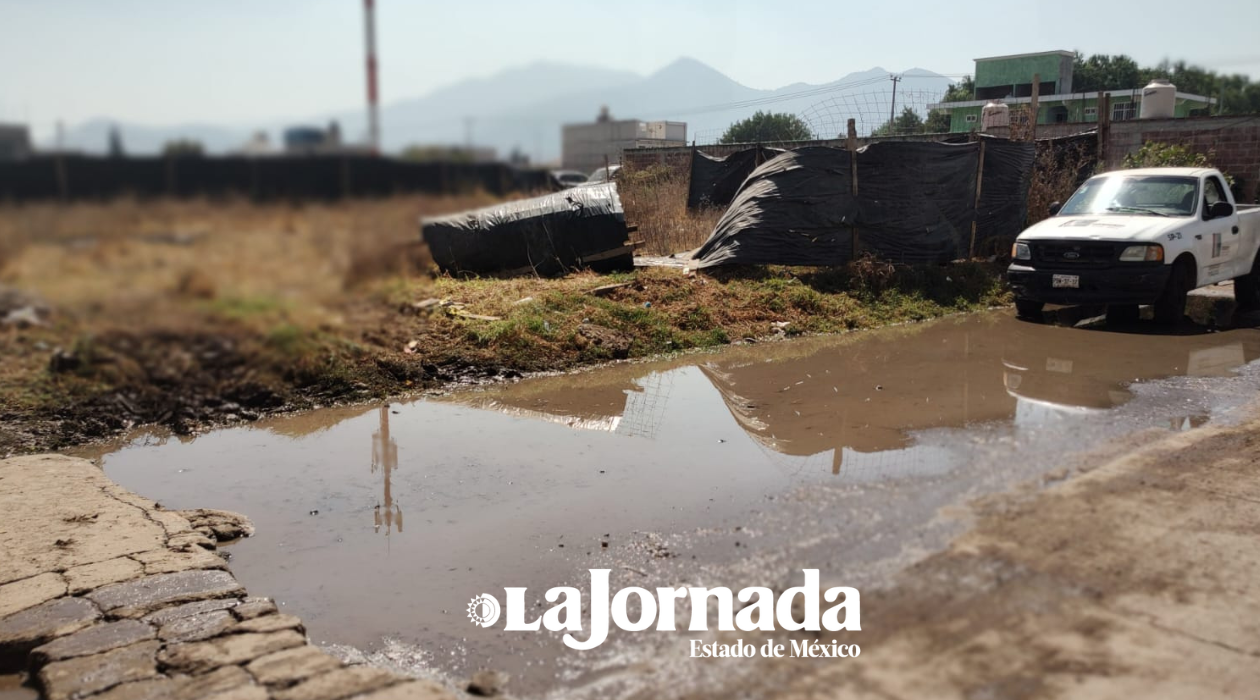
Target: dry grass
{"points": [[655, 200], [1055, 176], [109, 262]]}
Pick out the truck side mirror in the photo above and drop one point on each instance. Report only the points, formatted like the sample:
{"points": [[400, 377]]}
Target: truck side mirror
{"points": [[1055, 207], [1220, 210]]}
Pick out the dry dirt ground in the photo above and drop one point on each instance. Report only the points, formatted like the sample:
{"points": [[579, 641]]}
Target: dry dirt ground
{"points": [[1133, 579]]}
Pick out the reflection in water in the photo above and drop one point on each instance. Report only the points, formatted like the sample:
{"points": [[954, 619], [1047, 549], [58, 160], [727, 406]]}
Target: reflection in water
{"points": [[855, 405], [385, 458]]}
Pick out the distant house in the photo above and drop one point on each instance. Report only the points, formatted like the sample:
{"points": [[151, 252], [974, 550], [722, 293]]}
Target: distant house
{"points": [[1010, 78], [586, 147], [15, 142]]}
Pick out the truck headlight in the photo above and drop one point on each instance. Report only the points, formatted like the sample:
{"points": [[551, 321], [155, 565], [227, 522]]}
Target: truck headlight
{"points": [[1143, 253], [1020, 251]]}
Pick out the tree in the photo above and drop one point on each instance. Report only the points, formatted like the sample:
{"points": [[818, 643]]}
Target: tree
{"points": [[938, 122], [1154, 154], [183, 148], [961, 91], [1236, 94], [1103, 72], [764, 127], [908, 122]]}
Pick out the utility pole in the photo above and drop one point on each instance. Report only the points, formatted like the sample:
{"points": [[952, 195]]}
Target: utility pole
{"points": [[892, 109], [369, 31]]}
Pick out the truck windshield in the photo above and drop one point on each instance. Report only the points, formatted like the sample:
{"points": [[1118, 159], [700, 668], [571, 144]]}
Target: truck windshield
{"points": [[1154, 195]]}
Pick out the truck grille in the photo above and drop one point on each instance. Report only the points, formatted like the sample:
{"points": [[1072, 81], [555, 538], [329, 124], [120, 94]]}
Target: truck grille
{"points": [[1073, 254]]}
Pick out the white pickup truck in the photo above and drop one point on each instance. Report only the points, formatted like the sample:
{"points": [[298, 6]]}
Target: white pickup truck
{"points": [[1133, 237]]}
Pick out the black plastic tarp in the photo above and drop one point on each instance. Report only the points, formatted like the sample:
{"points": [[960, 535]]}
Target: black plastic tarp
{"points": [[1003, 204], [915, 204], [715, 180], [582, 227], [916, 201]]}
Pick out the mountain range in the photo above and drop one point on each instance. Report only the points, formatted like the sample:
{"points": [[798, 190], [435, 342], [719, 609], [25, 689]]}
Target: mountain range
{"points": [[523, 108]]}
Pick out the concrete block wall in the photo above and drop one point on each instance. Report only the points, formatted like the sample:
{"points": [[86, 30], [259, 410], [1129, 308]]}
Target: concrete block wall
{"points": [[1234, 143]]}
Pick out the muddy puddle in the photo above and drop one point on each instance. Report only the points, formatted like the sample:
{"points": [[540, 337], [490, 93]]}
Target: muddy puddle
{"points": [[377, 525]]}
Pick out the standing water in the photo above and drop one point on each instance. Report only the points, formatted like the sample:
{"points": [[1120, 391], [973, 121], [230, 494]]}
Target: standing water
{"points": [[377, 525]]}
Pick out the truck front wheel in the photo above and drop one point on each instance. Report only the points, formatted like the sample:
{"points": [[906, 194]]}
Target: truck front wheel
{"points": [[1029, 309], [1171, 305]]}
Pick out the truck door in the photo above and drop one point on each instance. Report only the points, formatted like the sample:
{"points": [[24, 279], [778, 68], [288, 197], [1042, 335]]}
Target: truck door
{"points": [[1218, 249]]}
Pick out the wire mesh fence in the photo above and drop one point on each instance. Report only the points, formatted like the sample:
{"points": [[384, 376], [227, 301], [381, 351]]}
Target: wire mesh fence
{"points": [[875, 113]]}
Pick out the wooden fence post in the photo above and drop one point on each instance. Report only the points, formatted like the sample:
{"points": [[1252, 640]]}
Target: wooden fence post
{"points": [[1034, 106], [1104, 128], [851, 145]]}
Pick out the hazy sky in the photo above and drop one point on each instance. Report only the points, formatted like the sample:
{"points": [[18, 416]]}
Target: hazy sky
{"points": [[244, 61]]}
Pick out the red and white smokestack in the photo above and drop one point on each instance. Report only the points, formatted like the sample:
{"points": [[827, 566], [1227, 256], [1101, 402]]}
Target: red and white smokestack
{"points": [[374, 124]]}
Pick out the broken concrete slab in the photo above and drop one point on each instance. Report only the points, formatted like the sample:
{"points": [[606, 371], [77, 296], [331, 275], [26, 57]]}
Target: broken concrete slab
{"points": [[93, 640], [82, 579], [197, 627], [271, 623], [73, 501], [339, 683], [217, 681], [285, 668], [200, 657], [159, 688], [220, 525], [166, 561], [23, 631], [189, 542], [254, 607], [165, 615], [86, 675], [29, 592], [224, 680], [141, 596]]}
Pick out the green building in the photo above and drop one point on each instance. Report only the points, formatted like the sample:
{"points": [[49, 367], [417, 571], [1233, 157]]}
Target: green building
{"points": [[1009, 79]]}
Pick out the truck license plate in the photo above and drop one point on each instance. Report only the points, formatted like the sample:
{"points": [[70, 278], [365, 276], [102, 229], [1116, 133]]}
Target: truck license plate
{"points": [[1066, 281]]}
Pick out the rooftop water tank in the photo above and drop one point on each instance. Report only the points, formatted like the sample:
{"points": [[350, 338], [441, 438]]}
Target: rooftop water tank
{"points": [[1159, 100], [996, 113]]}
